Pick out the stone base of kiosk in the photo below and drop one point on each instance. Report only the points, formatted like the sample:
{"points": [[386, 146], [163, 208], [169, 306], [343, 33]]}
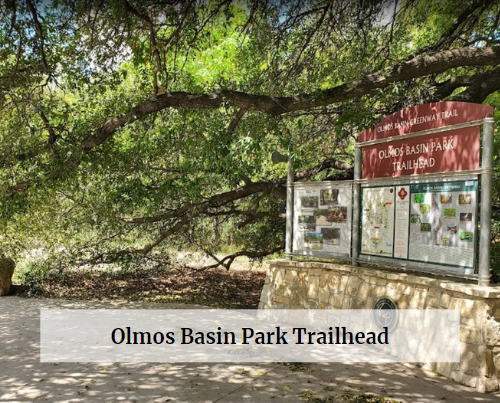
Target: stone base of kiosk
{"points": [[311, 285]]}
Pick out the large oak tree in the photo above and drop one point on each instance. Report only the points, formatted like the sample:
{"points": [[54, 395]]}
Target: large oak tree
{"points": [[132, 128]]}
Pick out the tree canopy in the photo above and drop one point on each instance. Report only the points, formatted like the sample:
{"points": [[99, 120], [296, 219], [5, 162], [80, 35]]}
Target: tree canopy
{"points": [[135, 128]]}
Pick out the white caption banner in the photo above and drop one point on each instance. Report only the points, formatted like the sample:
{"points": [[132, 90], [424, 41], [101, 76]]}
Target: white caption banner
{"points": [[157, 335]]}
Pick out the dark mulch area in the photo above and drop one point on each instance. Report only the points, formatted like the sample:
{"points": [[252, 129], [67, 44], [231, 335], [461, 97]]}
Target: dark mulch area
{"points": [[215, 288]]}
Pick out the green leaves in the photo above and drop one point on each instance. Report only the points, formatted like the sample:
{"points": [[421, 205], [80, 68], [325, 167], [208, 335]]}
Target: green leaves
{"points": [[155, 171]]}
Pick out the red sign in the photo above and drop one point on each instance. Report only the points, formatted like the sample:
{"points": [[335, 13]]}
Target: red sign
{"points": [[425, 117], [455, 150]]}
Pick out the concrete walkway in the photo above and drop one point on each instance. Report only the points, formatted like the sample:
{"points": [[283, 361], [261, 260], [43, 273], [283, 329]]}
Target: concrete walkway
{"points": [[24, 379]]}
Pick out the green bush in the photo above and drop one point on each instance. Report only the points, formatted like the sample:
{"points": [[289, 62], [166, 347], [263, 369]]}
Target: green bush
{"points": [[34, 275]]}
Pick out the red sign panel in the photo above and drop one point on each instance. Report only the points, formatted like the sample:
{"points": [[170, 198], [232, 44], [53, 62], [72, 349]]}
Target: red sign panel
{"points": [[455, 150], [425, 117]]}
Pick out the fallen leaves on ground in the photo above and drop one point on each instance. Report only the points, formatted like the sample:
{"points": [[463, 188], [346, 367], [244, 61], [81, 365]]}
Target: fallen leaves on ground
{"points": [[348, 398], [217, 288]]}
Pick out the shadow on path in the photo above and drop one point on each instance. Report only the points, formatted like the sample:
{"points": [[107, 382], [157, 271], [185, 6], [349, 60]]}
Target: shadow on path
{"points": [[24, 379]]}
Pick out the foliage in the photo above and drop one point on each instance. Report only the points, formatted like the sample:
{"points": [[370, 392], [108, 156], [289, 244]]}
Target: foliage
{"points": [[135, 129], [35, 275], [494, 100]]}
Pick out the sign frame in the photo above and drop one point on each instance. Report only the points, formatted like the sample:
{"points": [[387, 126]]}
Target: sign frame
{"points": [[419, 123], [441, 119], [344, 228]]}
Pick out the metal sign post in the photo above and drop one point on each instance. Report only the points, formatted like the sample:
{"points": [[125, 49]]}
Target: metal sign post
{"points": [[486, 184], [289, 209], [356, 205], [277, 158]]}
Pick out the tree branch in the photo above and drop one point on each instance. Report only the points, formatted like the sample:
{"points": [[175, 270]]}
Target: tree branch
{"points": [[52, 134], [446, 88], [418, 67], [235, 120], [227, 261], [483, 85], [152, 41], [453, 32], [39, 32], [212, 202], [223, 199], [330, 163], [115, 255]]}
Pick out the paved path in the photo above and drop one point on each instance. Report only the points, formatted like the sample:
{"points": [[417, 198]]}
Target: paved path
{"points": [[24, 379]]}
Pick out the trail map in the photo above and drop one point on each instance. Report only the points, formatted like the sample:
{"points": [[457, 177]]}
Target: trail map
{"points": [[377, 237]]}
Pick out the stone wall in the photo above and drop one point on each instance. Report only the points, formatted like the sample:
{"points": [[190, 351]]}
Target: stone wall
{"points": [[308, 285]]}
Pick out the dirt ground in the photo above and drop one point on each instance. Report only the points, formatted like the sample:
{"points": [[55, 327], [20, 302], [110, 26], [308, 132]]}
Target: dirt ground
{"points": [[23, 378]]}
